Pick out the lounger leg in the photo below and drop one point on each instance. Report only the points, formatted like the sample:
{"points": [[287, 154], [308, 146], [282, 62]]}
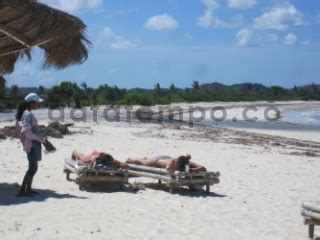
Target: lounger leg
{"points": [[208, 189], [311, 231], [68, 175], [159, 182], [171, 188]]}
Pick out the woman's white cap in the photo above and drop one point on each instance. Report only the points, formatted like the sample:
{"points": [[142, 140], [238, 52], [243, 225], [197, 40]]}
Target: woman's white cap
{"points": [[33, 97]]}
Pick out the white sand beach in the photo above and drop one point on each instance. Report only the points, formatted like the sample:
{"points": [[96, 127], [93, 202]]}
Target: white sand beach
{"points": [[265, 175]]}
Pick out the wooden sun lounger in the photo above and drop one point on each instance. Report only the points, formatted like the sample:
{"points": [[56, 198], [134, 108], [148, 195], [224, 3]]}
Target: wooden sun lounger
{"points": [[177, 179], [87, 176], [311, 213]]}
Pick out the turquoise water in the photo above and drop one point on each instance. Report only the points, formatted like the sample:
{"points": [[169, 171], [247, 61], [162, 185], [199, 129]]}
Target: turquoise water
{"points": [[309, 117], [302, 119]]}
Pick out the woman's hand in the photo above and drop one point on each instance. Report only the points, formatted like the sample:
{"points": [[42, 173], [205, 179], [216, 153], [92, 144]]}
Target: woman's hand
{"points": [[44, 140]]}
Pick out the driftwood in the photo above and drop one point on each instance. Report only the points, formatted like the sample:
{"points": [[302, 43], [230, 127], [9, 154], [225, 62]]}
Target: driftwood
{"points": [[55, 130]]}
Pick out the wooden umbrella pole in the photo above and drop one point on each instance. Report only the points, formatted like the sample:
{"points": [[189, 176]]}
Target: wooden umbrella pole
{"points": [[14, 35], [18, 48]]}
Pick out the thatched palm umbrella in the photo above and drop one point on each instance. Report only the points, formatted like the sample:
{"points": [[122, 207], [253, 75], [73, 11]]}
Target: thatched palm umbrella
{"points": [[27, 23]]}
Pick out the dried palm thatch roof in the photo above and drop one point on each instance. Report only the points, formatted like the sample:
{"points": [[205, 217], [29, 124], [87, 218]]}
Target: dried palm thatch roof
{"points": [[27, 23]]}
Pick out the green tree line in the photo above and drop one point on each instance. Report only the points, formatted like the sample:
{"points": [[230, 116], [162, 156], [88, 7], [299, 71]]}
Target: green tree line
{"points": [[68, 94]]}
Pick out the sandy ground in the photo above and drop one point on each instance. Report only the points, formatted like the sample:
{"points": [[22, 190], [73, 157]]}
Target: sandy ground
{"points": [[264, 180]]}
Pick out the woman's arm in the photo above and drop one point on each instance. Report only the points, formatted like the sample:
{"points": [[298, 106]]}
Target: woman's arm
{"points": [[120, 164], [26, 131]]}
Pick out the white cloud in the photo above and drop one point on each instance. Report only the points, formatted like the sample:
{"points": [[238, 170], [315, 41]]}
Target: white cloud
{"points": [[115, 41], [33, 72], [122, 44], [210, 3], [208, 19], [242, 4], [249, 38], [271, 37], [280, 18], [94, 3], [292, 40], [245, 38], [73, 5], [162, 22], [113, 70]]}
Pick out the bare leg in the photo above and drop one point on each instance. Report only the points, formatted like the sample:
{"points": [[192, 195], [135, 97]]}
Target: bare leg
{"points": [[137, 161], [148, 162], [76, 155], [134, 161]]}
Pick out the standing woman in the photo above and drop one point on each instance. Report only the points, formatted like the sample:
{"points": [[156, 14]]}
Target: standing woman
{"points": [[31, 139]]}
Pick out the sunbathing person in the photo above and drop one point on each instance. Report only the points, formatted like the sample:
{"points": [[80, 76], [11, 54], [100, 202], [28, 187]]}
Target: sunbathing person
{"points": [[169, 163], [98, 156]]}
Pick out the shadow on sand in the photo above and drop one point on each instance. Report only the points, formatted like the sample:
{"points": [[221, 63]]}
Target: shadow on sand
{"points": [[109, 188], [112, 189], [183, 191], [8, 196]]}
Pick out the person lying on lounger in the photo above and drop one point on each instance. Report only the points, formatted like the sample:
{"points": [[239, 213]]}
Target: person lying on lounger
{"points": [[98, 156], [169, 163]]}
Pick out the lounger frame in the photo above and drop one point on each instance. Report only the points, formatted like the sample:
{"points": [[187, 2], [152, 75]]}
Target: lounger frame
{"points": [[177, 179], [311, 223], [88, 177], [312, 219]]}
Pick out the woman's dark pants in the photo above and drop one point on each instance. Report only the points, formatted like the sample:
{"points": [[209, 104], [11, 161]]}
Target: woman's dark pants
{"points": [[33, 157]]}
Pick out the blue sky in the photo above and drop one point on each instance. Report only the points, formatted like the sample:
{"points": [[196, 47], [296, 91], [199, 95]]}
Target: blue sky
{"points": [[139, 43]]}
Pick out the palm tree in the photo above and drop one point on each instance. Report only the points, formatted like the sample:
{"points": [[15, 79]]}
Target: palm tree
{"points": [[172, 88], [195, 85], [41, 90], [157, 89], [314, 88], [14, 92], [84, 85], [66, 91]]}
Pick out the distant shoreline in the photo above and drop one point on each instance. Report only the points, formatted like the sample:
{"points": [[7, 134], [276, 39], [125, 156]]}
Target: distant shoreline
{"points": [[234, 110]]}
